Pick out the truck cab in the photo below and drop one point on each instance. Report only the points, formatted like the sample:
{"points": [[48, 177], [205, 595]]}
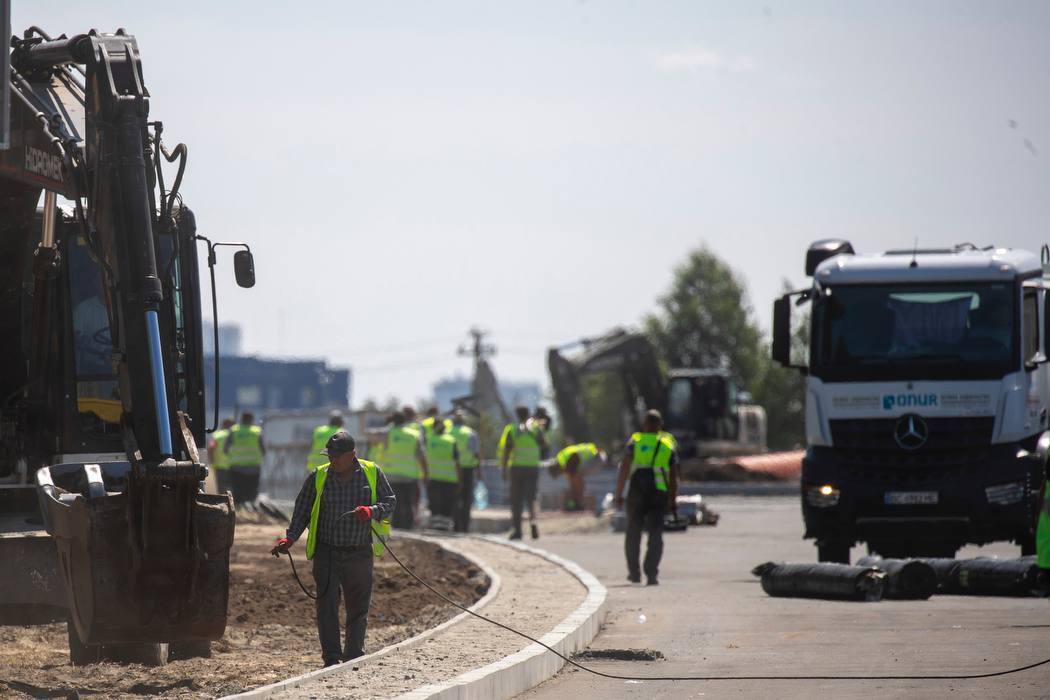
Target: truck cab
{"points": [[926, 397]]}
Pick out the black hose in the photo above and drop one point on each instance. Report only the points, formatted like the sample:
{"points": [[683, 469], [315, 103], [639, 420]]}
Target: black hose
{"points": [[613, 676]]}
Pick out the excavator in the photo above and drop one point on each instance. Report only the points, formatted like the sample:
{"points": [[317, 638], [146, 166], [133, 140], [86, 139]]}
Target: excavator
{"points": [[702, 408], [104, 523]]}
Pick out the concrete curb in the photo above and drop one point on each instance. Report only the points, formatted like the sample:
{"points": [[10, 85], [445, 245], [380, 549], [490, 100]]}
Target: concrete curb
{"points": [[532, 665], [495, 583]]}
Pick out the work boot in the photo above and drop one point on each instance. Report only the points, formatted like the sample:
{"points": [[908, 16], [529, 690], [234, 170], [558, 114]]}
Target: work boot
{"points": [[651, 581], [332, 662], [634, 578], [535, 531], [515, 536]]}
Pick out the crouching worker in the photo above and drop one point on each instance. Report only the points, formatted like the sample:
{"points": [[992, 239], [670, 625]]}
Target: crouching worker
{"points": [[340, 503]]}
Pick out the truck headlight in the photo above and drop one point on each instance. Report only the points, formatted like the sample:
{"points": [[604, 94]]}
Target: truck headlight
{"points": [[823, 496], [1005, 494]]}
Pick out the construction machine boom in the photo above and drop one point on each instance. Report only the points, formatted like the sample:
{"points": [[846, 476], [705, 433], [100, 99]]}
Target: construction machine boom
{"points": [[701, 407], [101, 360]]}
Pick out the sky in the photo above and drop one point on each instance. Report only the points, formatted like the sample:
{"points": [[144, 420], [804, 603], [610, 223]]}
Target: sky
{"points": [[404, 171]]}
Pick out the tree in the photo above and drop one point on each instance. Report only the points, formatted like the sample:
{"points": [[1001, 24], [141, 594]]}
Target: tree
{"points": [[705, 320], [782, 391]]}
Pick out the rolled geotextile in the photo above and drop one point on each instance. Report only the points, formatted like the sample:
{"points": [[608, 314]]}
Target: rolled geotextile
{"points": [[906, 579], [944, 569], [825, 581], [1017, 578]]}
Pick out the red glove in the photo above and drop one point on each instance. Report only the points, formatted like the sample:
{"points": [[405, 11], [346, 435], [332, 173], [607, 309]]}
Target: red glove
{"points": [[363, 514], [281, 547]]}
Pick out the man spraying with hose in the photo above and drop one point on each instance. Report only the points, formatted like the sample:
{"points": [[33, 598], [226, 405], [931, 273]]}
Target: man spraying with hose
{"points": [[339, 503]]}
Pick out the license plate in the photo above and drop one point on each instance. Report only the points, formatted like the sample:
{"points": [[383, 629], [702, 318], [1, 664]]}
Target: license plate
{"points": [[911, 498]]}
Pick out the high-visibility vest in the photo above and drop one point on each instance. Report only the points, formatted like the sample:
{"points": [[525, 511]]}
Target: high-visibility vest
{"points": [[441, 460], [428, 426], [1042, 533], [462, 434], [586, 451], [526, 449], [245, 446], [221, 459], [653, 451], [380, 530], [400, 452], [320, 439]]}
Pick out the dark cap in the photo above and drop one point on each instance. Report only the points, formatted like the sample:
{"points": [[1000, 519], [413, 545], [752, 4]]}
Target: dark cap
{"points": [[338, 444]]}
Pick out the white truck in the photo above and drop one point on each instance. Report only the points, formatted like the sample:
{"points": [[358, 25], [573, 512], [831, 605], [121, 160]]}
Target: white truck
{"points": [[926, 396]]}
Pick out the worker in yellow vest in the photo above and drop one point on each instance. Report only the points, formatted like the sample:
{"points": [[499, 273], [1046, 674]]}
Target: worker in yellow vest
{"points": [[651, 461], [469, 469], [428, 423], [443, 464], [245, 450], [346, 504], [521, 447], [217, 458], [314, 458], [570, 461], [405, 463]]}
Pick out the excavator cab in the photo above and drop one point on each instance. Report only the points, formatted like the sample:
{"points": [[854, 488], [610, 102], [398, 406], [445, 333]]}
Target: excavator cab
{"points": [[103, 518]]}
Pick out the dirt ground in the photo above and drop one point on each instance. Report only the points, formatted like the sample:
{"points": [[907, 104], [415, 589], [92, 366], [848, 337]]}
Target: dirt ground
{"points": [[270, 633]]}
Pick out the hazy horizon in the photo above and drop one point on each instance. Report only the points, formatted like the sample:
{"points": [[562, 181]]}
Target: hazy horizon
{"points": [[404, 172]]}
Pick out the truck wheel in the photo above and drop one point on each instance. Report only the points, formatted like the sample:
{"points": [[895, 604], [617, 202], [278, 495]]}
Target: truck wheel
{"points": [[80, 654], [833, 551]]}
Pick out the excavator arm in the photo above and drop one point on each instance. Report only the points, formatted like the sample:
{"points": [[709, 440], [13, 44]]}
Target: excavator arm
{"points": [[109, 401], [629, 356]]}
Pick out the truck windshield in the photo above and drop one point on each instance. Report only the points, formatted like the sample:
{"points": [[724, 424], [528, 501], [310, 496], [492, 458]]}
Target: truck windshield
{"points": [[930, 331]]}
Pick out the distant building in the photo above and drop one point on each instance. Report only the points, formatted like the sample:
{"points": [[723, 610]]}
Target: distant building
{"points": [[230, 339], [450, 388], [266, 385], [512, 393]]}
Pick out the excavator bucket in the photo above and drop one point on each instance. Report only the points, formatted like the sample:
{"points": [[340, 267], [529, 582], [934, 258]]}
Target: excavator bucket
{"points": [[128, 579]]}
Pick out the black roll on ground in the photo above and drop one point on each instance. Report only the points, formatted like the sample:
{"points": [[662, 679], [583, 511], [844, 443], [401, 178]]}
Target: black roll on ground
{"points": [[826, 581], [906, 579], [1017, 578]]}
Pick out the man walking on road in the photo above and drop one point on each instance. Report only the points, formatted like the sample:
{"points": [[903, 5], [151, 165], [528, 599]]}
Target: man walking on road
{"points": [[315, 457], [651, 460], [245, 450], [406, 465], [469, 467], [341, 502], [521, 446]]}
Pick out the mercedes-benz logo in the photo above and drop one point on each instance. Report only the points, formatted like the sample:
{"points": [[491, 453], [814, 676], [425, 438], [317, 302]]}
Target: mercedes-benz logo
{"points": [[911, 432]]}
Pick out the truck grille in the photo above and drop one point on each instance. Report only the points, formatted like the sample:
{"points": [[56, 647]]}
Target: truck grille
{"points": [[956, 446]]}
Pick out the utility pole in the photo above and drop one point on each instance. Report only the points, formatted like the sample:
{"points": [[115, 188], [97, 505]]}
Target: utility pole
{"points": [[484, 387], [479, 350]]}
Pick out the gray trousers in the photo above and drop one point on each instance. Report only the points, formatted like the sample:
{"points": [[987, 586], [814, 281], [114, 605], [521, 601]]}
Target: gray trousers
{"points": [[522, 494], [465, 499], [407, 493], [645, 511], [346, 575]]}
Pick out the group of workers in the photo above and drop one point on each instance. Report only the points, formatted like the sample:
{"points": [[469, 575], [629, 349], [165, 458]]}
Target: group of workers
{"points": [[348, 504]]}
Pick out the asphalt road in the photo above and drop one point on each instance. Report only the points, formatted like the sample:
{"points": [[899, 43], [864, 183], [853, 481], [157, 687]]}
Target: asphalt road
{"points": [[710, 616]]}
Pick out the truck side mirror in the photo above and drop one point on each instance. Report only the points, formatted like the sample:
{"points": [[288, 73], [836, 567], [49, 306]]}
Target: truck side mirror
{"points": [[244, 268], [782, 330], [785, 346]]}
